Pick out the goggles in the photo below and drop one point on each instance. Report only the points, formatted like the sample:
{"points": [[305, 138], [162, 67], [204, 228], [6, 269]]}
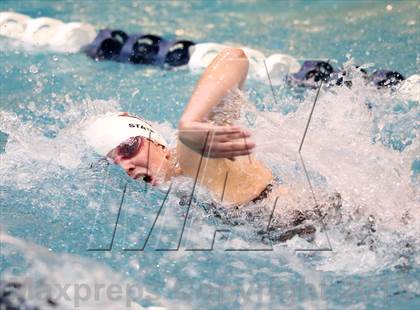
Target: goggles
{"points": [[128, 148]]}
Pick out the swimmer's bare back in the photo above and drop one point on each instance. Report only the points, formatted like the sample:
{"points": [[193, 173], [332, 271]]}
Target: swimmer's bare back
{"points": [[206, 127]]}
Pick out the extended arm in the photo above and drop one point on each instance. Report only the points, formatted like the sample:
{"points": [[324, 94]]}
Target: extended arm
{"points": [[227, 71]]}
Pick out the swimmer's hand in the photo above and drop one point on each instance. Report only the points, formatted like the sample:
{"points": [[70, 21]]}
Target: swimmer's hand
{"points": [[216, 141]]}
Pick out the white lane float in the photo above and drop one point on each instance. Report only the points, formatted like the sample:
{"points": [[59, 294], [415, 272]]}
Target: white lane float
{"points": [[71, 37], [277, 65], [40, 31], [44, 31], [13, 25], [256, 60], [410, 88], [201, 55]]}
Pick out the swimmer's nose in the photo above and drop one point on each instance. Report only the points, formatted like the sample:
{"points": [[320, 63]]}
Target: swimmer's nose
{"points": [[127, 165]]}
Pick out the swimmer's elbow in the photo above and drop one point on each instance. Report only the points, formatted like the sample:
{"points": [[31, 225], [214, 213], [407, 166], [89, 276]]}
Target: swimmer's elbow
{"points": [[235, 54]]}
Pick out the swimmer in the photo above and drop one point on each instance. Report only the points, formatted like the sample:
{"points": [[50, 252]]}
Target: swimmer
{"points": [[210, 147]]}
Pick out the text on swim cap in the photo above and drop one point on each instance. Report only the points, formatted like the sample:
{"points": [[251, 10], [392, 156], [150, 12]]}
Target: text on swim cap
{"points": [[140, 126]]}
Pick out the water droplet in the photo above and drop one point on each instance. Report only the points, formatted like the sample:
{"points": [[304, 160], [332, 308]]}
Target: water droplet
{"points": [[8, 68], [33, 69], [389, 7]]}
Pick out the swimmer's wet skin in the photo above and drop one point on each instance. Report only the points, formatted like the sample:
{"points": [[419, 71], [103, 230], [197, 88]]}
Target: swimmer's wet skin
{"points": [[209, 148]]}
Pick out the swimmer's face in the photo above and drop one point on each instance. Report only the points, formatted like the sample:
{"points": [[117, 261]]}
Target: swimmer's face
{"points": [[142, 159]]}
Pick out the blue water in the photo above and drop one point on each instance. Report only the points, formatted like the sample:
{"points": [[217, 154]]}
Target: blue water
{"points": [[51, 198]]}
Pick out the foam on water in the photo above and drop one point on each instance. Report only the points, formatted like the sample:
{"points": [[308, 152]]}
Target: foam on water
{"points": [[375, 181], [69, 281], [369, 156], [53, 173], [34, 153], [378, 225], [379, 191]]}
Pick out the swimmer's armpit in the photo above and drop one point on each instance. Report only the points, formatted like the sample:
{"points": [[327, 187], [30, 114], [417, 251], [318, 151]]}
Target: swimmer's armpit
{"points": [[216, 141]]}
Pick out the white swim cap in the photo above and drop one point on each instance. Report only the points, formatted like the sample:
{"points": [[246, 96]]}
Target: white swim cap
{"points": [[108, 131]]}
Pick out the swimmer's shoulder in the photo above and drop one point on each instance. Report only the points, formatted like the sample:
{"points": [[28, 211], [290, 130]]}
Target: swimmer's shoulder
{"points": [[235, 182]]}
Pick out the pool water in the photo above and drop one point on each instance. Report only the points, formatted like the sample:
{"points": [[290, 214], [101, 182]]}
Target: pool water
{"points": [[58, 211]]}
